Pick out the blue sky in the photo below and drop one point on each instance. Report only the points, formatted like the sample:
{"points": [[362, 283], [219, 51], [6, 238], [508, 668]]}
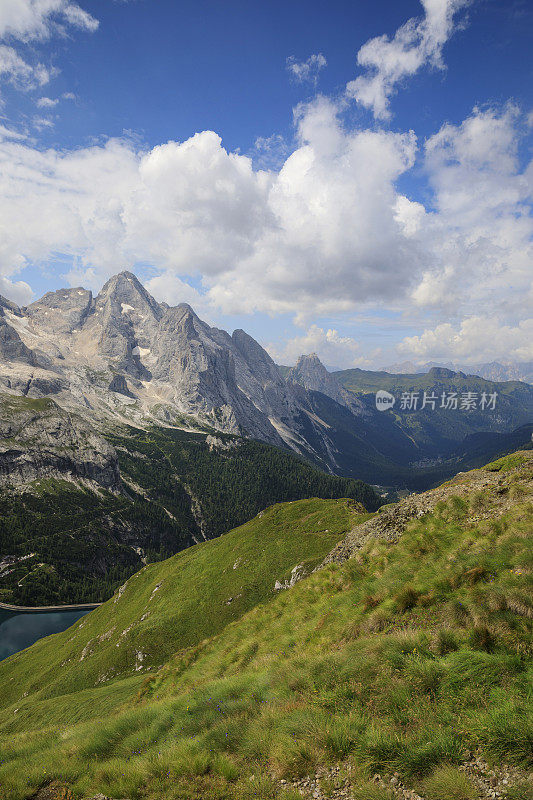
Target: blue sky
{"points": [[369, 196]]}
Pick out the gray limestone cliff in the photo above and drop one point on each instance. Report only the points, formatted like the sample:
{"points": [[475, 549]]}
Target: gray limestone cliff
{"points": [[125, 356], [39, 440], [310, 373]]}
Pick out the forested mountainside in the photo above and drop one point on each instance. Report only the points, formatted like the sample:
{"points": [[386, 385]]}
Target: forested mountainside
{"points": [[80, 511]]}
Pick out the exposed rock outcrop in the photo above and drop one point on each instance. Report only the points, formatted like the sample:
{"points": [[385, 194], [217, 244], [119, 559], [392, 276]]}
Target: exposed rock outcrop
{"points": [[389, 524], [40, 440], [119, 385], [310, 373]]}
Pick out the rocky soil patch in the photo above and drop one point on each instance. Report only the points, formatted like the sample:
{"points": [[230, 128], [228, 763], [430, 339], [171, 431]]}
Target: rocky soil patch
{"points": [[339, 782], [391, 521]]}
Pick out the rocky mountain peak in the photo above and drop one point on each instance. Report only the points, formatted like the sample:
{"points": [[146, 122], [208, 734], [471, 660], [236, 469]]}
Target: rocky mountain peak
{"points": [[62, 311], [254, 355], [310, 373], [185, 308], [97, 354], [310, 362], [125, 294]]}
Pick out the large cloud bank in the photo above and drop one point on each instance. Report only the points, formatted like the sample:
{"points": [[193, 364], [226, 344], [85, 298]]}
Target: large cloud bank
{"points": [[326, 233]]}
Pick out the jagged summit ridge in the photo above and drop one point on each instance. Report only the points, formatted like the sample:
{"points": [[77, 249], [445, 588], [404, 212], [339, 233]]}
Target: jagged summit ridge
{"points": [[310, 373], [122, 353]]}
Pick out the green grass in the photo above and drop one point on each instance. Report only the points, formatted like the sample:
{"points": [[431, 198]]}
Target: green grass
{"points": [[175, 604], [447, 783], [506, 463], [341, 668]]}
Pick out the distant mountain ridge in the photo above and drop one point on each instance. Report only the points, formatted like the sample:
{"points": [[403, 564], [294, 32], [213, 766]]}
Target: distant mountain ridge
{"points": [[491, 371]]}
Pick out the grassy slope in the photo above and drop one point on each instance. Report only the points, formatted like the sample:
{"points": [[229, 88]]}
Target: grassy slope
{"points": [[177, 603], [396, 660]]}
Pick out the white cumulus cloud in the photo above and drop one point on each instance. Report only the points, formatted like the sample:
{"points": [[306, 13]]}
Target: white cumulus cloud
{"points": [[330, 347], [481, 229], [321, 234], [388, 61], [18, 291], [475, 339], [327, 233], [28, 20]]}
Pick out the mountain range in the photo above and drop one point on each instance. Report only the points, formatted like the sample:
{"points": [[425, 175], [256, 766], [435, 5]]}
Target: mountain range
{"points": [[120, 357], [491, 371], [131, 430]]}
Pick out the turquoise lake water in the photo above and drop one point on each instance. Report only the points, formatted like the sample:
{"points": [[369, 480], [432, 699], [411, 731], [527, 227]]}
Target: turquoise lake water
{"points": [[18, 631]]}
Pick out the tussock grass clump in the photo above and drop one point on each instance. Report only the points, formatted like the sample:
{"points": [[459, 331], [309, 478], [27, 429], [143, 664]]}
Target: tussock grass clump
{"points": [[482, 638], [445, 642], [507, 729], [406, 599], [478, 501], [370, 791], [523, 790], [447, 783]]}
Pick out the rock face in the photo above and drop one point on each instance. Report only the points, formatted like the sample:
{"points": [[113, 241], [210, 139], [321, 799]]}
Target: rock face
{"points": [[123, 355], [41, 441], [12, 348], [310, 373], [119, 385]]}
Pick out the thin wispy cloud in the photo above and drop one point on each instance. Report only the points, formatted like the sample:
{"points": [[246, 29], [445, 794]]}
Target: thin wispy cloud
{"points": [[306, 71], [16, 71], [47, 102]]}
